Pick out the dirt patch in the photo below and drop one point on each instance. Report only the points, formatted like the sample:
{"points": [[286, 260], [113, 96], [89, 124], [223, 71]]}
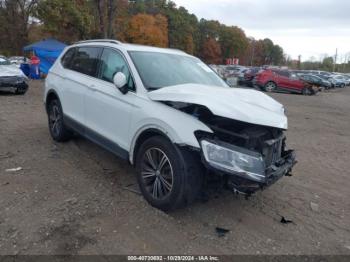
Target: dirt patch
{"points": [[72, 198]]}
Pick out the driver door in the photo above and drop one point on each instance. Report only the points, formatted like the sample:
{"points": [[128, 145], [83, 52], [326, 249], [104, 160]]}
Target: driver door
{"points": [[108, 111]]}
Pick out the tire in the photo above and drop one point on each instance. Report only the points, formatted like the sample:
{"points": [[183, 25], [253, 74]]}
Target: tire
{"points": [[59, 132], [306, 91], [342, 85], [168, 177], [270, 86], [20, 92]]}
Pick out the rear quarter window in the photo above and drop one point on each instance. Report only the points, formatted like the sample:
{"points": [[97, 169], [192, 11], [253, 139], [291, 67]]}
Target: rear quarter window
{"points": [[67, 58], [85, 60]]}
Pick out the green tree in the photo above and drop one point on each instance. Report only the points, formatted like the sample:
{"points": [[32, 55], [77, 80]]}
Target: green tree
{"points": [[268, 50], [277, 56], [14, 24], [327, 63], [233, 41], [183, 29], [68, 20]]}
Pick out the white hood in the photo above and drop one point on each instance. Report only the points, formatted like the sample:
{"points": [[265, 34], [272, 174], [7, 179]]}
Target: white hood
{"points": [[244, 105], [10, 70]]}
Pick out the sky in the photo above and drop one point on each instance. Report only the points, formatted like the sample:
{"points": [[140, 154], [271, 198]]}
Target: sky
{"points": [[310, 28]]}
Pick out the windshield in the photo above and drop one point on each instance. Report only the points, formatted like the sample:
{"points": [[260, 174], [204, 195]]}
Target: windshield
{"points": [[159, 70], [4, 61]]}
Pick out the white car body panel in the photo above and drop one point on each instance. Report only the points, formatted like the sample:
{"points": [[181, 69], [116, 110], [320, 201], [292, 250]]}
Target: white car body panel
{"points": [[11, 70], [71, 87], [112, 112], [178, 126], [101, 107], [240, 104]]}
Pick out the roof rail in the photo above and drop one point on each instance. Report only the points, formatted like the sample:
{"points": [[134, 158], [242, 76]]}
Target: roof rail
{"points": [[99, 41]]}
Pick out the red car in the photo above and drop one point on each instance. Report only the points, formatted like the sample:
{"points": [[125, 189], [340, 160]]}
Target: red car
{"points": [[282, 80]]}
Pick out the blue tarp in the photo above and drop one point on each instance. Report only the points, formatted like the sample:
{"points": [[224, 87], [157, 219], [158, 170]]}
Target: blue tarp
{"points": [[47, 50]]}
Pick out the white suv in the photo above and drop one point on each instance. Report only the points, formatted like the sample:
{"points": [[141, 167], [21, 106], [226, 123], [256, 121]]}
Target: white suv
{"points": [[171, 116]]}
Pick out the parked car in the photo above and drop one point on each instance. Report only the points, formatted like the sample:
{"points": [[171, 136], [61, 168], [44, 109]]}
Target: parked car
{"points": [[12, 78], [170, 116], [315, 80], [282, 80], [17, 60], [248, 76], [342, 79], [326, 78], [337, 82], [347, 78], [234, 71]]}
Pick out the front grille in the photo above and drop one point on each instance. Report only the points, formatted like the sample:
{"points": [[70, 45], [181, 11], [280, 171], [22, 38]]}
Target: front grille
{"points": [[4, 80], [273, 151]]}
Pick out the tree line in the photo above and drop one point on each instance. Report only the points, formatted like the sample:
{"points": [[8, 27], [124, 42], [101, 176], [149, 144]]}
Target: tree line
{"points": [[151, 22]]}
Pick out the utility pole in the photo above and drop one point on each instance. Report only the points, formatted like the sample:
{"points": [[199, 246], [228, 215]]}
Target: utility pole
{"points": [[335, 59], [299, 62]]}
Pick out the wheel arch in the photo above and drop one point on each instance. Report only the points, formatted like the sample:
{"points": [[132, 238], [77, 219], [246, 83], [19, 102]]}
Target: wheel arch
{"points": [[51, 95], [142, 137], [182, 137], [270, 81]]}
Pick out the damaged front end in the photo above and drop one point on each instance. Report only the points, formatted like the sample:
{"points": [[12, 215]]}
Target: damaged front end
{"points": [[249, 157], [13, 83]]}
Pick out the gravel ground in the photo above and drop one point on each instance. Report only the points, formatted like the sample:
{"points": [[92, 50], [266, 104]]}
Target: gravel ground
{"points": [[74, 198]]}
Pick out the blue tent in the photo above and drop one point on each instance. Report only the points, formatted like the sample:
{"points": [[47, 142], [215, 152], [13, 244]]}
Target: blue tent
{"points": [[47, 50]]}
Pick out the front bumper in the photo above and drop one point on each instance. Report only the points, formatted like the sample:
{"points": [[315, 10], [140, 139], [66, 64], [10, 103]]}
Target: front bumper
{"points": [[257, 83], [13, 83], [238, 183], [281, 168]]}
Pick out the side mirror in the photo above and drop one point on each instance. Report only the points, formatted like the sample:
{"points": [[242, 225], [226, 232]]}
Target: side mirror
{"points": [[120, 82]]}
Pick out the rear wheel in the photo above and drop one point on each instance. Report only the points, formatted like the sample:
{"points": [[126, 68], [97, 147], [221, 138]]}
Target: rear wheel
{"points": [[270, 87], [166, 179], [59, 132], [306, 91]]}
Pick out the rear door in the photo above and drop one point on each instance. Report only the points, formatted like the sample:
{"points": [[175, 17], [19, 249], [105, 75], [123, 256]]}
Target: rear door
{"points": [[282, 79], [295, 84], [80, 75]]}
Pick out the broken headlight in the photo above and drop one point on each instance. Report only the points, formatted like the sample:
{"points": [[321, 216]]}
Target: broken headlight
{"points": [[233, 159]]}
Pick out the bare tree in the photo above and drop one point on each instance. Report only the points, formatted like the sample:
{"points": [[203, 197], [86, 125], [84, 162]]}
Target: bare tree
{"points": [[111, 14], [107, 12], [100, 9]]}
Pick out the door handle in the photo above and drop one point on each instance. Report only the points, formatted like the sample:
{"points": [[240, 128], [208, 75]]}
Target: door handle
{"points": [[92, 88]]}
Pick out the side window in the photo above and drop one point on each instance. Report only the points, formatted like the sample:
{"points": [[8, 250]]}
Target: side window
{"points": [[85, 60], [284, 73], [67, 58], [111, 63]]}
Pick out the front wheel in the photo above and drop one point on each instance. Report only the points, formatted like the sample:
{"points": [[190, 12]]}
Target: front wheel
{"points": [[167, 181], [270, 87], [20, 91]]}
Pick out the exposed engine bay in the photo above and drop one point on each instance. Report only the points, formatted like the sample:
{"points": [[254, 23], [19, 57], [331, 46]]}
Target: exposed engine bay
{"points": [[268, 141]]}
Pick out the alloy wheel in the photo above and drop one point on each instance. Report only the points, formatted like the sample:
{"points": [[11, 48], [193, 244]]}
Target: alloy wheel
{"points": [[270, 87], [55, 119], [157, 173]]}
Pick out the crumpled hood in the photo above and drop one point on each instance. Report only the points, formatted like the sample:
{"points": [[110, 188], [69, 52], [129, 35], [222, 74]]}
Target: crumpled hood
{"points": [[244, 105], [10, 70]]}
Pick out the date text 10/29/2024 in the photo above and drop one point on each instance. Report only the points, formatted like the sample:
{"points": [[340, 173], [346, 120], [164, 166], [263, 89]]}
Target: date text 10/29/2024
{"points": [[173, 258]]}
